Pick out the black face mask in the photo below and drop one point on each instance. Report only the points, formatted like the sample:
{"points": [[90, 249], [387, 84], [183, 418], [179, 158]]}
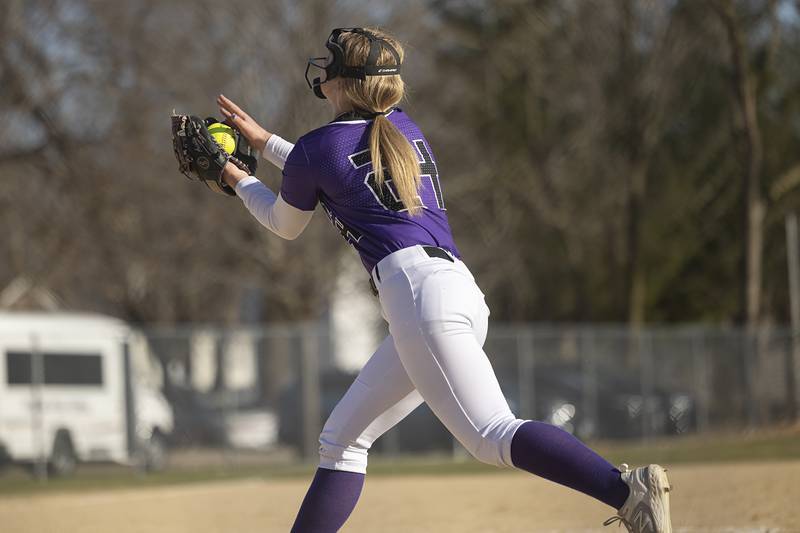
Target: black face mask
{"points": [[336, 67]]}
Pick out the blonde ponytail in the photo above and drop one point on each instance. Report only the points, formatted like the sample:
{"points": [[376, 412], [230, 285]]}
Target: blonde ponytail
{"points": [[391, 150], [392, 155]]}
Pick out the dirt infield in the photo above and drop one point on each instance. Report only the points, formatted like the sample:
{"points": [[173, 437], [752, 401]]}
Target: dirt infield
{"points": [[731, 497]]}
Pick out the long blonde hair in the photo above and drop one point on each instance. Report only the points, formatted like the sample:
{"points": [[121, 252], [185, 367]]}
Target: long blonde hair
{"points": [[377, 94]]}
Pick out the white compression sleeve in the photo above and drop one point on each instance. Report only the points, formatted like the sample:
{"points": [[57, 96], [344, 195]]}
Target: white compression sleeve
{"points": [[277, 150], [272, 211]]}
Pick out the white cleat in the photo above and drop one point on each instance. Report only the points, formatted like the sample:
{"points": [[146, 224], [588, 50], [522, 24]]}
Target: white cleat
{"points": [[647, 508]]}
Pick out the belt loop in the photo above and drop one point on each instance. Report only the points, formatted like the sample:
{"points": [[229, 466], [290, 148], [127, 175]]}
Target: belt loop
{"points": [[372, 286]]}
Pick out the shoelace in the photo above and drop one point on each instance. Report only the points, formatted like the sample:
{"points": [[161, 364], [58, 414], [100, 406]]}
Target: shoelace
{"points": [[624, 469], [621, 522]]}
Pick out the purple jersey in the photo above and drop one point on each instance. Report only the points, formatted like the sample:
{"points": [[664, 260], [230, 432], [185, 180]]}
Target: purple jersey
{"points": [[332, 165]]}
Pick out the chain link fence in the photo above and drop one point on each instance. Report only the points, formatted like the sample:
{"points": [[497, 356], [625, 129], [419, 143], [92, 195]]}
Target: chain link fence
{"points": [[599, 382], [268, 390]]}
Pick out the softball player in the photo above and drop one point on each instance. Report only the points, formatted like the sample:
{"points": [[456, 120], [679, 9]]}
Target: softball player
{"points": [[373, 172]]}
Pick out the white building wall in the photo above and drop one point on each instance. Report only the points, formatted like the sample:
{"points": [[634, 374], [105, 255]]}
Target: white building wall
{"points": [[240, 361], [356, 323], [203, 349]]}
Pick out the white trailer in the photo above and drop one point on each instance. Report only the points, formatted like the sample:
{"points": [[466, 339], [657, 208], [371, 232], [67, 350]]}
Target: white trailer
{"points": [[78, 388]]}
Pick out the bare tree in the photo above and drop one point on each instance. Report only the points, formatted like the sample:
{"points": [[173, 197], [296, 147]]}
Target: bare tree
{"points": [[748, 131]]}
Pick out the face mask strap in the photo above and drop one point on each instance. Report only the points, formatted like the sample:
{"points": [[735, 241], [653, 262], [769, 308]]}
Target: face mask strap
{"points": [[336, 66], [376, 44]]}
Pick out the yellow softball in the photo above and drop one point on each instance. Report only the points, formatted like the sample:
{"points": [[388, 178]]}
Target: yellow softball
{"points": [[223, 134]]}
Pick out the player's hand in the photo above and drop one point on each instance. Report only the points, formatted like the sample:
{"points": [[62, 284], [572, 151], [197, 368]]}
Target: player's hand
{"points": [[236, 117]]}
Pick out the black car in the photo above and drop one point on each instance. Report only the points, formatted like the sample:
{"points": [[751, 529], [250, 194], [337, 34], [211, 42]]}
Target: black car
{"points": [[562, 395], [420, 431], [198, 421], [606, 405]]}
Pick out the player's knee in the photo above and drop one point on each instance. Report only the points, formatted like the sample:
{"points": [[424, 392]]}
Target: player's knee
{"points": [[487, 450], [335, 453], [493, 445]]}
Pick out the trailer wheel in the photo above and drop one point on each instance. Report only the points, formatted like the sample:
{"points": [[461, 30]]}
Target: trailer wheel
{"points": [[62, 461], [155, 453]]}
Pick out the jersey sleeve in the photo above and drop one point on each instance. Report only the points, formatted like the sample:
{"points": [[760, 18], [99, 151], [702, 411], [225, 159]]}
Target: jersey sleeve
{"points": [[300, 185]]}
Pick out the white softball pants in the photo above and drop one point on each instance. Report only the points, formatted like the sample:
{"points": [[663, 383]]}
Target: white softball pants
{"points": [[437, 322]]}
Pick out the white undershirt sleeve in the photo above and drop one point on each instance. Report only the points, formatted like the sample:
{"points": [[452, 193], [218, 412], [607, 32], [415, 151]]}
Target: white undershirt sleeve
{"points": [[272, 211], [277, 150]]}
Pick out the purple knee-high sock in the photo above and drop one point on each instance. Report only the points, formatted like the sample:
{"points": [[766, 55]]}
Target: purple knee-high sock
{"points": [[554, 454], [329, 501]]}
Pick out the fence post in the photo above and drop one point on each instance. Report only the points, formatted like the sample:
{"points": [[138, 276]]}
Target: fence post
{"points": [[310, 383], [589, 369], [644, 342], [37, 401], [221, 345], [525, 369], [702, 386], [793, 258], [749, 352]]}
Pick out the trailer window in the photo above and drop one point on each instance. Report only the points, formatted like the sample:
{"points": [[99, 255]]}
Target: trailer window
{"points": [[18, 368], [59, 368]]}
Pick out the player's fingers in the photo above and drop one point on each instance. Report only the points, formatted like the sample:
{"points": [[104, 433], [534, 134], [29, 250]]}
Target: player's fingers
{"points": [[228, 104], [226, 107], [229, 119], [233, 119]]}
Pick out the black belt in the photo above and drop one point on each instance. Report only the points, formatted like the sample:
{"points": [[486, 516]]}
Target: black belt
{"points": [[435, 251], [432, 251]]}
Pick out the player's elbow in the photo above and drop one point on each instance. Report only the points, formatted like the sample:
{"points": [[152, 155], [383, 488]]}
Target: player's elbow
{"points": [[291, 228], [289, 235], [289, 231], [287, 221]]}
